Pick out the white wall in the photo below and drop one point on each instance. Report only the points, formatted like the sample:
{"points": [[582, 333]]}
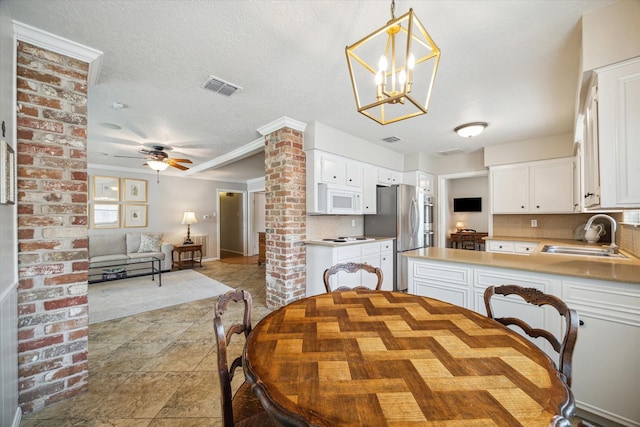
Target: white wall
{"points": [[168, 199], [551, 147], [9, 413], [610, 34], [321, 137], [459, 163]]}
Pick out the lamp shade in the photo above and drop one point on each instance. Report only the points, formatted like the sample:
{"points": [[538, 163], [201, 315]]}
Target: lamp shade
{"points": [[189, 218]]}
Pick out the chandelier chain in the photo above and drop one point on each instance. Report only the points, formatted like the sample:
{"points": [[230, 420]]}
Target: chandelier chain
{"points": [[393, 9]]}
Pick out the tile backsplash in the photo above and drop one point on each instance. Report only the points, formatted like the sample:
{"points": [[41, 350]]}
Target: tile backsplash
{"points": [[322, 226]]}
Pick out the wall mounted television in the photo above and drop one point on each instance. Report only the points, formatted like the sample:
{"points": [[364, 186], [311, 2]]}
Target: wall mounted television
{"points": [[467, 204]]}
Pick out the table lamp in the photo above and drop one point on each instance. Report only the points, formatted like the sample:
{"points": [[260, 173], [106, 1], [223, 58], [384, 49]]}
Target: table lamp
{"points": [[189, 218], [459, 226]]}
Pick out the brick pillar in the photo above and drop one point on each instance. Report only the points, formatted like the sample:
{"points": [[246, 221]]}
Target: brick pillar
{"points": [[286, 216], [52, 227]]}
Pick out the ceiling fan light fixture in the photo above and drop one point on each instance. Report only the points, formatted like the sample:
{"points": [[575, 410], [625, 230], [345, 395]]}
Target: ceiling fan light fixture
{"points": [[157, 165], [393, 69], [470, 130]]}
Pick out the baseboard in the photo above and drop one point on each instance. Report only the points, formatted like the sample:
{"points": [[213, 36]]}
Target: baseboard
{"points": [[17, 418]]}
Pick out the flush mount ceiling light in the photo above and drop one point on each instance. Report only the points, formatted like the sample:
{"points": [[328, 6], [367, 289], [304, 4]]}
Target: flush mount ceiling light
{"points": [[470, 129], [392, 70]]}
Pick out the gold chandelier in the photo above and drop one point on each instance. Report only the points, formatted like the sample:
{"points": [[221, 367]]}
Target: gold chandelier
{"points": [[405, 62]]}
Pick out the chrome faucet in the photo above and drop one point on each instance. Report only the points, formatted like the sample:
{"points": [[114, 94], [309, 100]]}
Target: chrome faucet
{"points": [[613, 248]]}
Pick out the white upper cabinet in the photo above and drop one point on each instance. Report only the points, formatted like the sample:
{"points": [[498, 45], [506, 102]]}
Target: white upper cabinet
{"points": [[420, 179], [618, 127], [545, 186]]}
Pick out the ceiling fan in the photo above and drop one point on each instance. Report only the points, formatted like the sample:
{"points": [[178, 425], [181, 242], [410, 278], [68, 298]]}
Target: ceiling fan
{"points": [[158, 159]]}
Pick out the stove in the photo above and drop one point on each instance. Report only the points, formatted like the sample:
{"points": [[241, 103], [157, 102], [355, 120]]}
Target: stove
{"points": [[346, 239]]}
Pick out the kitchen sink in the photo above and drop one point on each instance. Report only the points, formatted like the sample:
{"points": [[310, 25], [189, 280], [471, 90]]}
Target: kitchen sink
{"points": [[582, 251]]}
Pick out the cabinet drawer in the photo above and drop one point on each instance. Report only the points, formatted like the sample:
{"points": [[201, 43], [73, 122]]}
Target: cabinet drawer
{"points": [[442, 273], [525, 248], [370, 249], [386, 246], [348, 253], [499, 246]]}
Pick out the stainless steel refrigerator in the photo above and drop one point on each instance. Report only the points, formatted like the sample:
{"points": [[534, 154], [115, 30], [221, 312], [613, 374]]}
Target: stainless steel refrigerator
{"points": [[400, 213]]}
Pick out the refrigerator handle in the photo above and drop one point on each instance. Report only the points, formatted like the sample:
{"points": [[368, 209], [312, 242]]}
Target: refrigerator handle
{"points": [[415, 217]]}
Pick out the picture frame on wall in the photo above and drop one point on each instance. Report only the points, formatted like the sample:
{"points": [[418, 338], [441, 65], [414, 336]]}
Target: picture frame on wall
{"points": [[105, 215], [106, 189], [8, 184], [135, 190], [135, 216]]}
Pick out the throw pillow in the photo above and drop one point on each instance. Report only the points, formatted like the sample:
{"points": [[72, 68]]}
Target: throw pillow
{"points": [[149, 243]]}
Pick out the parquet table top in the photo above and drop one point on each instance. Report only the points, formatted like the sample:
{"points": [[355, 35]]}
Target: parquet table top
{"points": [[375, 358]]}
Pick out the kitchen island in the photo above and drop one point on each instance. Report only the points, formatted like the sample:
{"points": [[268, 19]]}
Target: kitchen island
{"points": [[604, 291]]}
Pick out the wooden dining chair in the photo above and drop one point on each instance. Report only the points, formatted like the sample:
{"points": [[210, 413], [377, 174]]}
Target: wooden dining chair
{"points": [[242, 408], [469, 239], [351, 267], [563, 347]]}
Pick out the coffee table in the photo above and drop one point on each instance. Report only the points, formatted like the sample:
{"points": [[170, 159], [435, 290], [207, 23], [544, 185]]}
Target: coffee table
{"points": [[113, 271]]}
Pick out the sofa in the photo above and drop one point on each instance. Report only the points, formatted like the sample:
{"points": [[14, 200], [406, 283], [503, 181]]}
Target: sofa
{"points": [[115, 256]]}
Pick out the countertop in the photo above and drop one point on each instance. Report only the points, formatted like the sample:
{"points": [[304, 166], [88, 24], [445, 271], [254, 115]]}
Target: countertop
{"points": [[320, 242], [613, 269]]}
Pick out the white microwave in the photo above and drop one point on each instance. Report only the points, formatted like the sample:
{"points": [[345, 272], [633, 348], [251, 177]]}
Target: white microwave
{"points": [[339, 200]]}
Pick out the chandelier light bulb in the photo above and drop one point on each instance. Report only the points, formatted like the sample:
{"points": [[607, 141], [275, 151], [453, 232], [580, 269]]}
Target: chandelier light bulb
{"points": [[402, 77], [379, 78], [382, 63], [411, 61]]}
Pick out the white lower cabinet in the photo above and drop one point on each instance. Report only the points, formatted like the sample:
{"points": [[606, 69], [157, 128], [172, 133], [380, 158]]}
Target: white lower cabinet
{"points": [[606, 360], [377, 254]]}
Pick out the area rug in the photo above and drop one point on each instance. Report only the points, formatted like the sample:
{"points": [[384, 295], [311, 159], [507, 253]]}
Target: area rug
{"points": [[126, 297]]}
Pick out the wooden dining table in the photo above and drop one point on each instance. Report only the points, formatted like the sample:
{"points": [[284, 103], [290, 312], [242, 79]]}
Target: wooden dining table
{"points": [[376, 358]]}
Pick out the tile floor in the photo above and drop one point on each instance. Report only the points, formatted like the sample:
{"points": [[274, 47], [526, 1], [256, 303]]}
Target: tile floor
{"points": [[158, 369]]}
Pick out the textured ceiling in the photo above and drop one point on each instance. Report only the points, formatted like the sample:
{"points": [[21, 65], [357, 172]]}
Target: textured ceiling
{"points": [[513, 64]]}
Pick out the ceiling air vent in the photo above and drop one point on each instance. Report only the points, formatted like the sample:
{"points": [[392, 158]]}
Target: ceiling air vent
{"points": [[220, 86], [391, 139], [451, 152]]}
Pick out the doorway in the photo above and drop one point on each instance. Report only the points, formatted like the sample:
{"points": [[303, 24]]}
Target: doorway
{"points": [[232, 213], [446, 224]]}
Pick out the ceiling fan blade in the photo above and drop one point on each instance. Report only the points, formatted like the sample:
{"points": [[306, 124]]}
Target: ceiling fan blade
{"points": [[127, 157], [177, 166], [181, 160]]}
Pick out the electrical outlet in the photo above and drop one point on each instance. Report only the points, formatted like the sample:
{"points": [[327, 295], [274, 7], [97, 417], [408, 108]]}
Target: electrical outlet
{"points": [[353, 222], [534, 223]]}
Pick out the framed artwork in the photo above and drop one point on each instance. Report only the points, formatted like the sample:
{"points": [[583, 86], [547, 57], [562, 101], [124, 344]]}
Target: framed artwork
{"points": [[105, 215], [135, 190], [106, 189], [7, 164], [135, 215]]}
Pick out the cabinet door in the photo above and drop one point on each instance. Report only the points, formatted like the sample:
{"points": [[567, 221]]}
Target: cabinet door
{"points": [[606, 372], [386, 265], [331, 170], [590, 158], [552, 187], [510, 190], [353, 174], [369, 195], [384, 177], [619, 135]]}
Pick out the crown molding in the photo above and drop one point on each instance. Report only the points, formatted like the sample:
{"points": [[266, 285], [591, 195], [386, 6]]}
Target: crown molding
{"points": [[62, 46], [246, 150], [282, 122]]}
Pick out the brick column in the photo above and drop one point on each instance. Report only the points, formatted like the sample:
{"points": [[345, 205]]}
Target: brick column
{"points": [[286, 221], [52, 227]]}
